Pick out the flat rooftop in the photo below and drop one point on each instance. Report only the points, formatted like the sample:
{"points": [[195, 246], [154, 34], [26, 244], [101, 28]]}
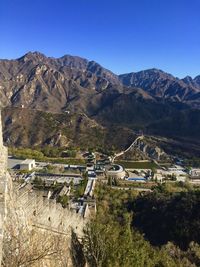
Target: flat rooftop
{"points": [[27, 161]]}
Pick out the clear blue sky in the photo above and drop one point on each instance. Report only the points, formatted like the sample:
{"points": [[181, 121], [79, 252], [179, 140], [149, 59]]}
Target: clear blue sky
{"points": [[122, 35]]}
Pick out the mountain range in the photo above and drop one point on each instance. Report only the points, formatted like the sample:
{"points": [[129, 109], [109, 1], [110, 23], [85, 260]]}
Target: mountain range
{"points": [[151, 100]]}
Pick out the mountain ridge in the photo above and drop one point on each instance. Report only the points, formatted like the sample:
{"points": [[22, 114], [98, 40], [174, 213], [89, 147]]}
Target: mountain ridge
{"points": [[164, 85], [74, 85], [35, 70]]}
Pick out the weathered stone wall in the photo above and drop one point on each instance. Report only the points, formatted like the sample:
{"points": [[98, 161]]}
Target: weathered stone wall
{"points": [[46, 213], [38, 213], [5, 184]]}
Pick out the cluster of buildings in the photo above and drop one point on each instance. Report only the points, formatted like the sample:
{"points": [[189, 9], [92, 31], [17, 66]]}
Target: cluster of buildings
{"points": [[176, 173], [100, 170]]}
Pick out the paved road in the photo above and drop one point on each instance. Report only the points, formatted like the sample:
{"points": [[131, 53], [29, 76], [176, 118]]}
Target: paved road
{"points": [[12, 163]]}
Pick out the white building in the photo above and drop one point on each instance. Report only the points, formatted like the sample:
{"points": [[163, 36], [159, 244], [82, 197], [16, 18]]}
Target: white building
{"points": [[27, 164]]}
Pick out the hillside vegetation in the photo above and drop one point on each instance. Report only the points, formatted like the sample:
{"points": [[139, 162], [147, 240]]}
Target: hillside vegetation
{"points": [[113, 239]]}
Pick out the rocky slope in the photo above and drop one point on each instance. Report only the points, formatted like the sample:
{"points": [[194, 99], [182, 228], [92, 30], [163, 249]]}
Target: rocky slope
{"points": [[160, 84], [37, 88], [58, 84], [25, 127], [146, 149], [38, 82]]}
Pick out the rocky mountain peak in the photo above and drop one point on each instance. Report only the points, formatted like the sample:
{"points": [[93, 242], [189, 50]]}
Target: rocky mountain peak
{"points": [[191, 82], [72, 62], [197, 79], [163, 85], [38, 81], [37, 56]]}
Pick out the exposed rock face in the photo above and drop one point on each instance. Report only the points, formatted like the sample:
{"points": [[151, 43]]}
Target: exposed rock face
{"points": [[31, 209], [56, 84], [5, 187], [146, 148], [1, 137], [151, 150], [36, 81]]}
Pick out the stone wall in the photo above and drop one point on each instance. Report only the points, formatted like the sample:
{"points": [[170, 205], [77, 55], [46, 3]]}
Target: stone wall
{"points": [[5, 184], [38, 213]]}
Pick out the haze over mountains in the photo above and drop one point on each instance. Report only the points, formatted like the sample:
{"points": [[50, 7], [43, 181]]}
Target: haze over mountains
{"points": [[147, 100]]}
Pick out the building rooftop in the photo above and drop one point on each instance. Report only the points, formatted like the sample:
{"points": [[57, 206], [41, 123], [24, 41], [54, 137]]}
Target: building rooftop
{"points": [[27, 161]]}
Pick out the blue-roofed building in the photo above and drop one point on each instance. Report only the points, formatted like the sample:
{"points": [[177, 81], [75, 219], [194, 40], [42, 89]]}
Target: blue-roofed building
{"points": [[137, 179]]}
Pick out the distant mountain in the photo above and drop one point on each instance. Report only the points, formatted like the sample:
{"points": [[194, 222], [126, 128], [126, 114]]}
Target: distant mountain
{"points": [[160, 84], [149, 100], [39, 82], [56, 84]]}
